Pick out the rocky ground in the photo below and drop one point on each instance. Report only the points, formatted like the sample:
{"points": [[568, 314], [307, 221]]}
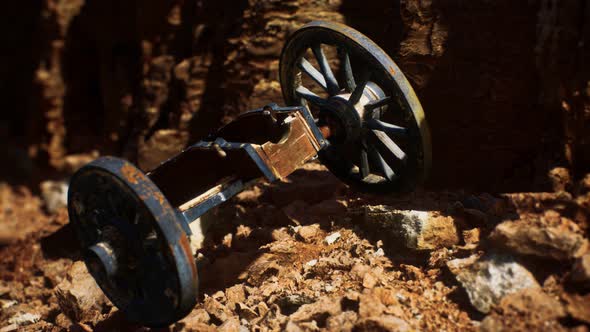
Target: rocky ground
{"points": [[311, 254]]}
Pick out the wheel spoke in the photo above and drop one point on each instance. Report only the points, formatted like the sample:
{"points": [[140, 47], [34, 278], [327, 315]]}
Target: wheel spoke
{"points": [[383, 166], [365, 171], [349, 83], [378, 103], [331, 81], [386, 127], [389, 144], [311, 97], [358, 90], [310, 70]]}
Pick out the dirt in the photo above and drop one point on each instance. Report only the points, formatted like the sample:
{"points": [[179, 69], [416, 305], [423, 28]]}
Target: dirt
{"points": [[276, 260]]}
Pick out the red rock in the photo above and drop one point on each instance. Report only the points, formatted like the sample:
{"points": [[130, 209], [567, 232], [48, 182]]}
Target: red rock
{"points": [[308, 233], [537, 238], [382, 323], [79, 297]]}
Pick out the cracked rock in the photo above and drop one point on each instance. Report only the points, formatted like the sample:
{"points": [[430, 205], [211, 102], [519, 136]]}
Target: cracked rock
{"points": [[488, 279]]}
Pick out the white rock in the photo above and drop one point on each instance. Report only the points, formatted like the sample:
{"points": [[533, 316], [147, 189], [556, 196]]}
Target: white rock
{"points": [[487, 279], [312, 262], [54, 194], [24, 318], [332, 237]]}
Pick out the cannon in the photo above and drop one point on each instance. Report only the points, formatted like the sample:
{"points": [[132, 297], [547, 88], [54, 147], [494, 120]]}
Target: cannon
{"points": [[347, 104]]}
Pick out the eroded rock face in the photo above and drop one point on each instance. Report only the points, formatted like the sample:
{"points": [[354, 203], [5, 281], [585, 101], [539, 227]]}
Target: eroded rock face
{"points": [[489, 278], [541, 238], [79, 297], [419, 230]]}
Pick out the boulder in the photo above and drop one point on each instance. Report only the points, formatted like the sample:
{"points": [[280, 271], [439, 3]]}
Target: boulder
{"points": [[488, 279], [541, 238], [420, 230]]}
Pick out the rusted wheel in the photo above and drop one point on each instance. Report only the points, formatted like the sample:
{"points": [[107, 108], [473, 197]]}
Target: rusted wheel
{"points": [[379, 139], [132, 242]]}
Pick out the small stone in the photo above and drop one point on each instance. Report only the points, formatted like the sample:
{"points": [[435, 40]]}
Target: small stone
{"points": [[308, 233], [332, 238], [379, 253], [230, 325], [487, 279], [291, 303], [78, 295], [246, 312], [382, 323], [54, 194], [312, 262], [318, 311], [235, 294], [215, 309], [471, 236], [369, 280]]}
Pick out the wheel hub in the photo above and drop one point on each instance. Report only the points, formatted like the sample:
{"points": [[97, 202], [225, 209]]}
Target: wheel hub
{"points": [[345, 120]]}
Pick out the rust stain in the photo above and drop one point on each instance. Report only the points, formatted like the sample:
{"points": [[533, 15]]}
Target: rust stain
{"points": [[131, 173], [159, 197], [183, 241], [391, 70]]}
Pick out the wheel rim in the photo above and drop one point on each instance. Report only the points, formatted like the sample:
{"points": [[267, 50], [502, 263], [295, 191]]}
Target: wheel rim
{"points": [[340, 74], [133, 244]]}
